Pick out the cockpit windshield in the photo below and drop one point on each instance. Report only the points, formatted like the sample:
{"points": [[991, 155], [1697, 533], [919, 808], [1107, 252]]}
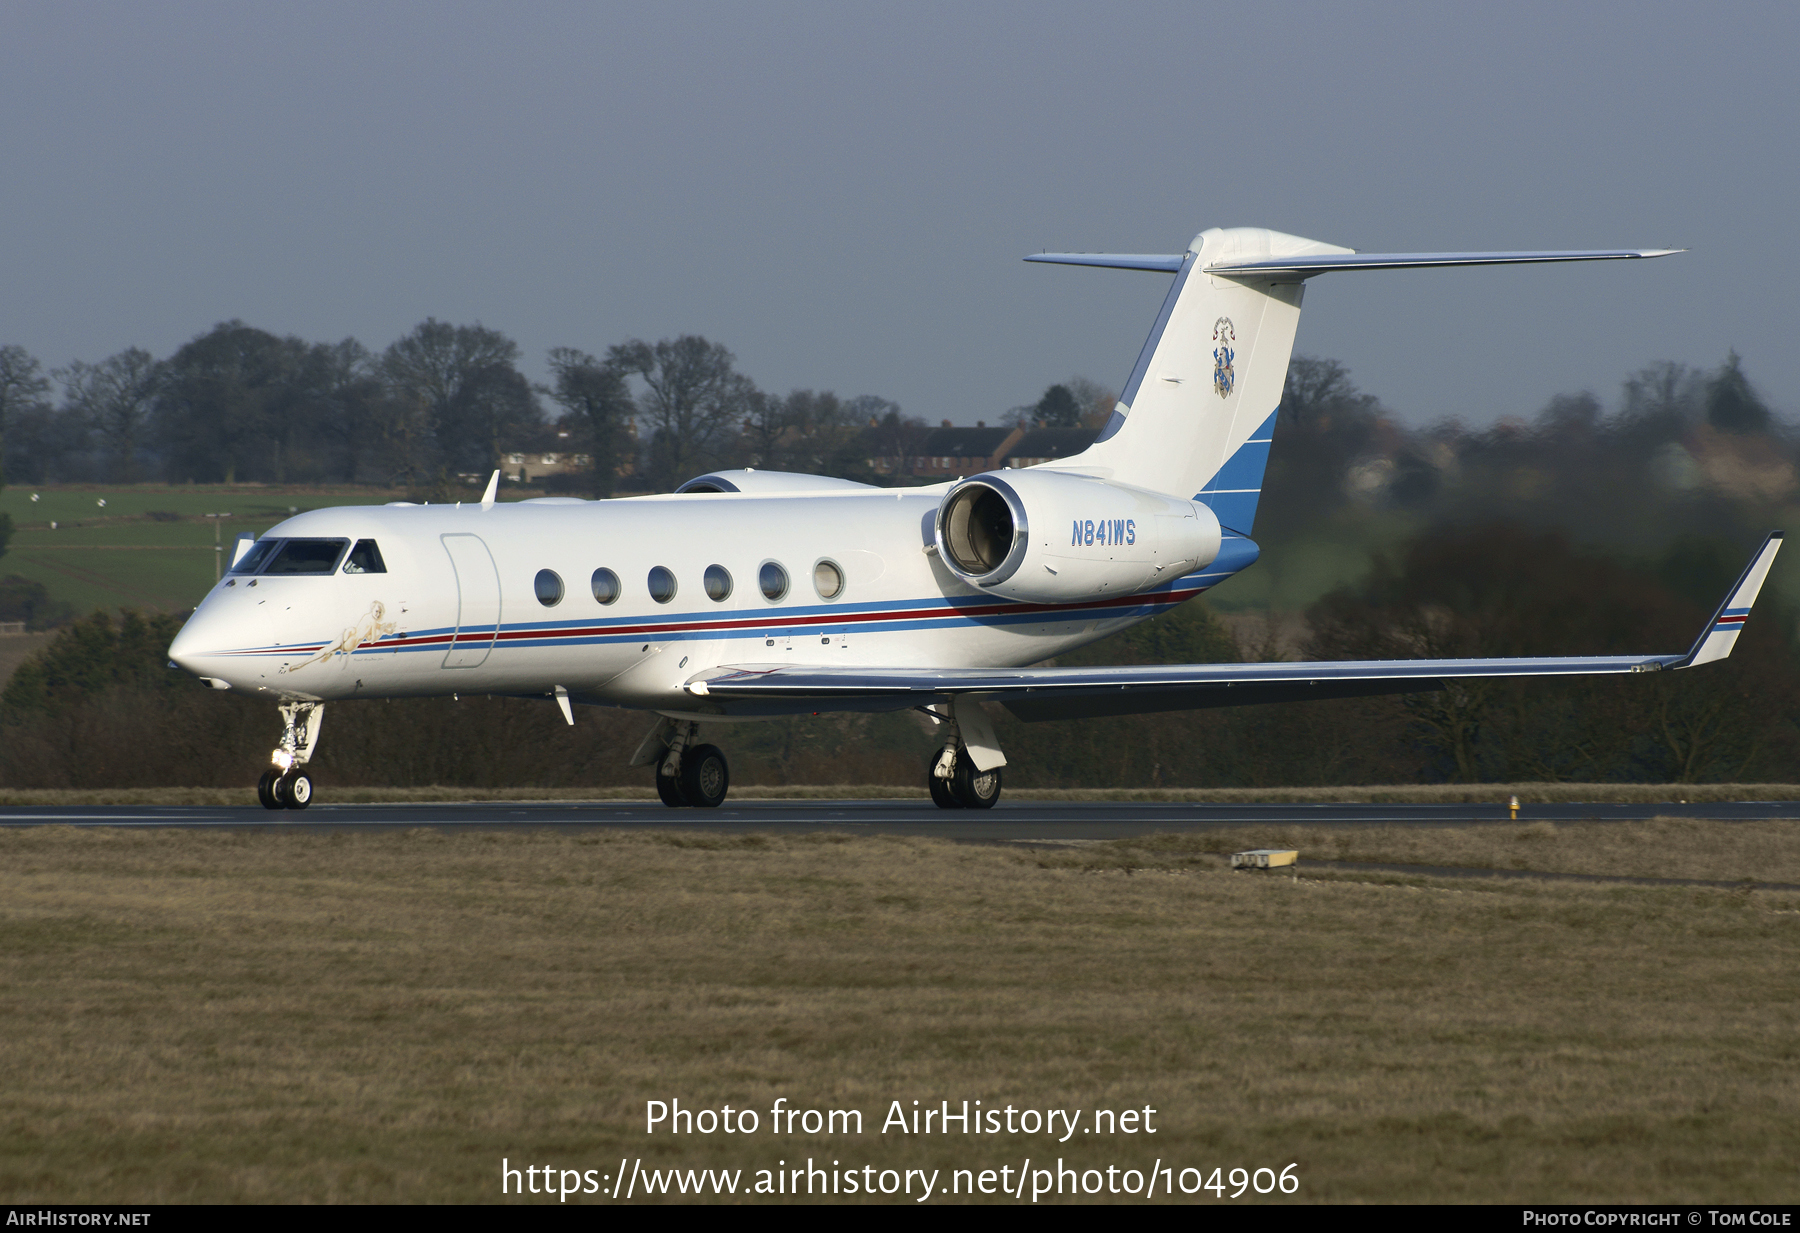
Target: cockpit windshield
{"points": [[292, 556], [257, 557], [307, 556]]}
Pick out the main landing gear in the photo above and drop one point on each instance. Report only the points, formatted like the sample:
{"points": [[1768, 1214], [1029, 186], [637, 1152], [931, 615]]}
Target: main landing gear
{"points": [[686, 773], [956, 784], [953, 778], [286, 784]]}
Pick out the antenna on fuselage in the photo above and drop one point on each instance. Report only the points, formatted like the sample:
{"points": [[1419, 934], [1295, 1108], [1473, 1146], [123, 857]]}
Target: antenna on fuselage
{"points": [[487, 498]]}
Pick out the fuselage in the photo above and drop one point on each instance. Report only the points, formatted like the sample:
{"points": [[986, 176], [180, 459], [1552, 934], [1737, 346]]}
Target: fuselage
{"points": [[508, 599]]}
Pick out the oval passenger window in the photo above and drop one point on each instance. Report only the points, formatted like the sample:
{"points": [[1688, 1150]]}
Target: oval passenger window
{"points": [[549, 587], [773, 580], [828, 579], [662, 585], [718, 583], [606, 585]]}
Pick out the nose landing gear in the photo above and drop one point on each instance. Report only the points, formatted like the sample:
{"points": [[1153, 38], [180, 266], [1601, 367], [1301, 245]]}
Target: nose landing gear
{"points": [[286, 784]]}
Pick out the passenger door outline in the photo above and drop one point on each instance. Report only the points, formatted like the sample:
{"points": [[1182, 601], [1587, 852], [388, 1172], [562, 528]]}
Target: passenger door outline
{"points": [[477, 600]]}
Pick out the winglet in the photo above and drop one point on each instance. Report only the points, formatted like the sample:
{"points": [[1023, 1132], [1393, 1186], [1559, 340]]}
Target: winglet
{"points": [[487, 498], [1721, 633]]}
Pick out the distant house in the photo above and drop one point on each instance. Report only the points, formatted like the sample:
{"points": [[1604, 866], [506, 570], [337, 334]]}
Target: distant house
{"points": [[525, 467], [550, 452], [946, 453], [1045, 445]]}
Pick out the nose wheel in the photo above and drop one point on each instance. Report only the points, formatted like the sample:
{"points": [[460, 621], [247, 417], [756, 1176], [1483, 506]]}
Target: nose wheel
{"points": [[287, 784], [293, 790]]}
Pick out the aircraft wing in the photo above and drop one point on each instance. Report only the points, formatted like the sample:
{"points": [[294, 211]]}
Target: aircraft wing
{"points": [[1067, 693]]}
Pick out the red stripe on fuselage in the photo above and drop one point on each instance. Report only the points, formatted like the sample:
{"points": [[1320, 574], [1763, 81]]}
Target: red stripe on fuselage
{"points": [[780, 622]]}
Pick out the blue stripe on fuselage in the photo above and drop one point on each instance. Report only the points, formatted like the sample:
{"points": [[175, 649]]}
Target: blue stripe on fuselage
{"points": [[825, 620]]}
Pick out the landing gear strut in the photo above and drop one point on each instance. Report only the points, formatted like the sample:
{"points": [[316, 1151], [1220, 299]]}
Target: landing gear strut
{"points": [[964, 787], [286, 784], [686, 773], [953, 778]]}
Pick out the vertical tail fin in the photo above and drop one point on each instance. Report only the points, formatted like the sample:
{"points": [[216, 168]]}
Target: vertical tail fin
{"points": [[1197, 415]]}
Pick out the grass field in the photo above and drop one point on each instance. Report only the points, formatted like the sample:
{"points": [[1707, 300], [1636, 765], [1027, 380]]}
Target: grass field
{"points": [[294, 1016], [117, 555]]}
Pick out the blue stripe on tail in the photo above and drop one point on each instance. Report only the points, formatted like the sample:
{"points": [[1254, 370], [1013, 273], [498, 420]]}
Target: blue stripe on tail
{"points": [[1233, 492]]}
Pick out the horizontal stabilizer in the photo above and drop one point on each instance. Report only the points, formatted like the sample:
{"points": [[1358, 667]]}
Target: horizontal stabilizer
{"points": [[1306, 267], [1162, 263], [1058, 693], [1324, 263]]}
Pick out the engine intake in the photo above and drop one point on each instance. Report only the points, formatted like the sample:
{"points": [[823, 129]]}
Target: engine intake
{"points": [[1054, 536], [983, 532]]}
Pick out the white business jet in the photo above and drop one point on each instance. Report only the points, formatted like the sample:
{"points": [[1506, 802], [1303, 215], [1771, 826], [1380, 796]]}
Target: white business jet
{"points": [[750, 594]]}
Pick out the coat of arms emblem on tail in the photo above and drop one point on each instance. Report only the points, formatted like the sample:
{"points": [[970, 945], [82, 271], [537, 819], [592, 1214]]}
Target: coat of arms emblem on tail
{"points": [[1223, 336]]}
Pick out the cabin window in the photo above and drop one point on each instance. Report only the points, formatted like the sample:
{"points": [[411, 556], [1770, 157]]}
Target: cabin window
{"points": [[718, 583], [605, 585], [307, 556], [662, 585], [828, 579], [365, 558], [257, 557], [773, 580], [548, 587]]}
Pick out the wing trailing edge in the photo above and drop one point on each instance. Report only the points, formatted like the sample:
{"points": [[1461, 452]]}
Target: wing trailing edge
{"points": [[1066, 693]]}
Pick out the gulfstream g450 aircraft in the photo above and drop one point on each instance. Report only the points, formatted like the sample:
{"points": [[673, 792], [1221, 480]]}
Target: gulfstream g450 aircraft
{"points": [[750, 594]]}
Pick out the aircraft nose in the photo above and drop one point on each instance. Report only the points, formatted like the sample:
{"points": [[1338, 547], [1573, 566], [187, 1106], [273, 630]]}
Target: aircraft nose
{"points": [[185, 650], [202, 645]]}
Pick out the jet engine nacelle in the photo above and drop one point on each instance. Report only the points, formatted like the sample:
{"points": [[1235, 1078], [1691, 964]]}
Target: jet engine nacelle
{"points": [[1054, 536]]}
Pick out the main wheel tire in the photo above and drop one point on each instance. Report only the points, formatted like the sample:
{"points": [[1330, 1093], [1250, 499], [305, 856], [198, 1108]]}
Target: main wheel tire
{"points": [[266, 789], [942, 794], [296, 789], [975, 789], [705, 778], [669, 788]]}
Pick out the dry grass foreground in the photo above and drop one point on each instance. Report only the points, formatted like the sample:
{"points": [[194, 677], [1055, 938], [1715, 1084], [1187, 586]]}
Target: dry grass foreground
{"points": [[301, 1016]]}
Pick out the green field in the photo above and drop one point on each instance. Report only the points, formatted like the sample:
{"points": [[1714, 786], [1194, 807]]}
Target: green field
{"points": [[117, 556], [292, 1016]]}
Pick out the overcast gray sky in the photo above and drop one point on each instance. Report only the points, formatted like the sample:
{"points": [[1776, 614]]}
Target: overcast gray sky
{"points": [[841, 193]]}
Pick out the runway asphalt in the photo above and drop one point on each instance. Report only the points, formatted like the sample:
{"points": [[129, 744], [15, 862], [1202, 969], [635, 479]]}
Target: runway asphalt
{"points": [[1010, 820]]}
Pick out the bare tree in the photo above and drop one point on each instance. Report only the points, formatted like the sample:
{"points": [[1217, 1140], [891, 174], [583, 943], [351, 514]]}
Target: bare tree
{"points": [[597, 395], [224, 405], [811, 432], [115, 398], [465, 381], [22, 386], [1095, 400], [893, 436], [694, 399], [1731, 405]]}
